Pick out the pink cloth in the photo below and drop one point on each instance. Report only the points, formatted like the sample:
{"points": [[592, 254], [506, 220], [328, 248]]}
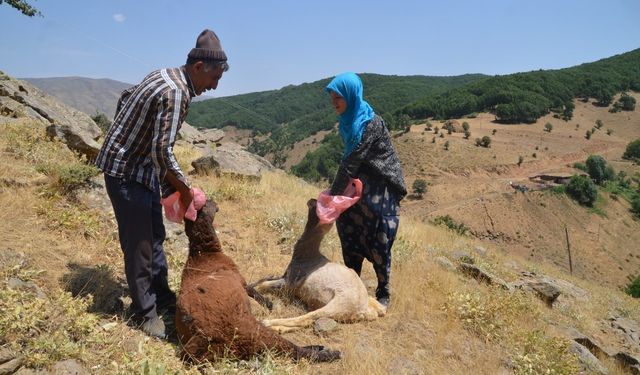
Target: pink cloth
{"points": [[174, 211], [329, 206]]}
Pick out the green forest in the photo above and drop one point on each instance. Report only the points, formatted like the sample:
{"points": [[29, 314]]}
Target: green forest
{"points": [[295, 112]]}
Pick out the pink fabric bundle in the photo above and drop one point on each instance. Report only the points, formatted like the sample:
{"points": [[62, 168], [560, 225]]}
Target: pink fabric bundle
{"points": [[174, 211], [329, 206]]}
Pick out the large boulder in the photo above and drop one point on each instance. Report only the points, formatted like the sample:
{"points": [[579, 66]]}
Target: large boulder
{"points": [[76, 129], [192, 135], [231, 158]]}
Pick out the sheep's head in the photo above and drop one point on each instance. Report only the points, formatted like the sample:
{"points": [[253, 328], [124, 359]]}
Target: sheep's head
{"points": [[312, 217], [201, 232]]}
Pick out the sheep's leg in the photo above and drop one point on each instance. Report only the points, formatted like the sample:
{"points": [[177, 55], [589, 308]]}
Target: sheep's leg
{"points": [[331, 309], [269, 285], [253, 293]]}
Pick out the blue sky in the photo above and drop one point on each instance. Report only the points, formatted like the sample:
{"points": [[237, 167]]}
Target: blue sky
{"points": [[272, 44]]}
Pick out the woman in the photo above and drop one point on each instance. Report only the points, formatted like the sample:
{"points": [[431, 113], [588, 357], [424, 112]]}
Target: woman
{"points": [[367, 229]]}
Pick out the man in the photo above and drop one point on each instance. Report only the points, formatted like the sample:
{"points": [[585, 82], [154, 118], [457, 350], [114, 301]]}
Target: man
{"points": [[138, 163]]}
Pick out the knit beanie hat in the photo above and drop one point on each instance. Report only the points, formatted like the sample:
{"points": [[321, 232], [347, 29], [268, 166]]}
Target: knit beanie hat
{"points": [[208, 47]]}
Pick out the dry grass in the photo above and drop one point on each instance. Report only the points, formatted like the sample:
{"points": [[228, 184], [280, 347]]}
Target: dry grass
{"points": [[439, 322]]}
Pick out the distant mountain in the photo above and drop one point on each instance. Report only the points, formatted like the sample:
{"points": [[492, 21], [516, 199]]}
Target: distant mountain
{"points": [[87, 95]]}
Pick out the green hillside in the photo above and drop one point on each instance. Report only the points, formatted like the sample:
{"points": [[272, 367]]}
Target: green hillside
{"points": [[525, 97], [295, 112]]}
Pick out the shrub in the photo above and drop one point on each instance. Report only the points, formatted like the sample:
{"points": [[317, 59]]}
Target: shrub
{"points": [[599, 124], [419, 187], [633, 150], [598, 169], [520, 160], [494, 131], [582, 189], [465, 126], [635, 205], [102, 121], [486, 141], [633, 289], [446, 145], [548, 127], [627, 103], [448, 222], [467, 134], [588, 134], [580, 166]]}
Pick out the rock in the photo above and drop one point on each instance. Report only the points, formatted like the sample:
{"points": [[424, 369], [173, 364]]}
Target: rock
{"points": [[445, 263], [28, 286], [74, 128], [543, 286], [588, 362], [481, 275], [68, 367], [628, 328], [9, 362], [194, 136], [231, 158], [628, 361], [324, 325], [463, 257], [480, 251], [403, 366]]}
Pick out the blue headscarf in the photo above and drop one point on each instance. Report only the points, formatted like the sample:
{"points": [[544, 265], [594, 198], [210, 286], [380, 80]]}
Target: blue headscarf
{"points": [[358, 112]]}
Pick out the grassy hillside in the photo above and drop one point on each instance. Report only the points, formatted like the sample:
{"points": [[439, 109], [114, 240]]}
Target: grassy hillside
{"points": [[296, 112], [439, 321], [525, 97]]}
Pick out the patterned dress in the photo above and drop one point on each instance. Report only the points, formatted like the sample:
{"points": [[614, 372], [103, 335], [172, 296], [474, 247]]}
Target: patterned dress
{"points": [[368, 229]]}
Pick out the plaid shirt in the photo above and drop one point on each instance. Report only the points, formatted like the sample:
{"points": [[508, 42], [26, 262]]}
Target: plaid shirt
{"points": [[139, 143]]}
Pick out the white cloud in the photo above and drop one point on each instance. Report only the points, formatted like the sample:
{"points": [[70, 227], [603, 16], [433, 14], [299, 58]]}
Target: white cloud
{"points": [[118, 17]]}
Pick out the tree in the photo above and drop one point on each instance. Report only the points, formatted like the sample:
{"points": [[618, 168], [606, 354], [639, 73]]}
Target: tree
{"points": [[467, 134], [588, 134], [446, 145], [419, 187], [494, 131], [633, 151], [567, 114], [598, 169], [548, 127], [23, 6], [582, 189], [599, 124], [465, 126], [627, 103], [486, 141]]}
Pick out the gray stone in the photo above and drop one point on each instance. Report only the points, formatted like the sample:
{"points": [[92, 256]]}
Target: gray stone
{"points": [[445, 263], [481, 275], [588, 361], [68, 367], [231, 158], [403, 366], [28, 286], [12, 365], [74, 128], [324, 326]]}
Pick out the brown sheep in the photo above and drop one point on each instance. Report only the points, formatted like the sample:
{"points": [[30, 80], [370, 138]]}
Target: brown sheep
{"points": [[213, 316], [330, 290]]}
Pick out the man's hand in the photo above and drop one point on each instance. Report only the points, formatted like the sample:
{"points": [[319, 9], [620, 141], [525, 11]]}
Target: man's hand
{"points": [[186, 197], [186, 194]]}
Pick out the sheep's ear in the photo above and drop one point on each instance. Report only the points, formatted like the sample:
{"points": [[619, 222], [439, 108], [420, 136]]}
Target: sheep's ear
{"points": [[311, 203]]}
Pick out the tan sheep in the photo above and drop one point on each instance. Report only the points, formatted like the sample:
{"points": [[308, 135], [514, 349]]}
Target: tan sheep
{"points": [[330, 290]]}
